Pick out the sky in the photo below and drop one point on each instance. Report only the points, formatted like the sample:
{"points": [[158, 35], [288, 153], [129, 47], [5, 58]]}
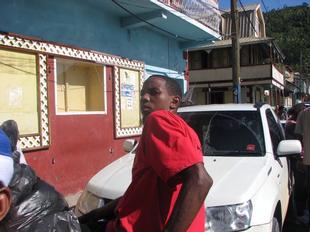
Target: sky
{"points": [[269, 4]]}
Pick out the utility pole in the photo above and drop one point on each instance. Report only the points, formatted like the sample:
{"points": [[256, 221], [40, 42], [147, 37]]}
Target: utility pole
{"points": [[235, 51]]}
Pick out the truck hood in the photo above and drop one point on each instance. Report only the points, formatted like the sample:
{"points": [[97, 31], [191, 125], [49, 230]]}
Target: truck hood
{"points": [[112, 181], [235, 179]]}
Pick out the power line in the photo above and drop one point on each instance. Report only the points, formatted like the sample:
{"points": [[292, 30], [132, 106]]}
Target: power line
{"points": [[264, 5], [152, 25], [248, 17], [168, 32]]}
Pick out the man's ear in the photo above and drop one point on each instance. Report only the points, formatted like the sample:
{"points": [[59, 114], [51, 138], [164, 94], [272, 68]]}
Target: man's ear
{"points": [[5, 202], [175, 102]]}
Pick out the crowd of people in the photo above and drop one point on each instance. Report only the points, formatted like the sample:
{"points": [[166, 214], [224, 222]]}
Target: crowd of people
{"points": [[281, 112], [297, 126]]}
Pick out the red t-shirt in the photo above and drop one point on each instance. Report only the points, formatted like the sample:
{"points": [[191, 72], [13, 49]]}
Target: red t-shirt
{"points": [[167, 146]]}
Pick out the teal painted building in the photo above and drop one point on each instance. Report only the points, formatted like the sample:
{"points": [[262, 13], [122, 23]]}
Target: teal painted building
{"points": [[149, 31], [103, 38]]}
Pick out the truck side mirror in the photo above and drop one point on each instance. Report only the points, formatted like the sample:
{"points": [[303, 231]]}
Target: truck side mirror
{"points": [[289, 147], [129, 145]]}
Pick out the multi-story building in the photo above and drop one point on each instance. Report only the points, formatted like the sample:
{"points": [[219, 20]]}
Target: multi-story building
{"points": [[261, 61]]}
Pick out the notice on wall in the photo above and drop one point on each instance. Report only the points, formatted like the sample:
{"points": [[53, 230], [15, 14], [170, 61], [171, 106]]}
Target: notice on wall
{"points": [[15, 97], [129, 94]]}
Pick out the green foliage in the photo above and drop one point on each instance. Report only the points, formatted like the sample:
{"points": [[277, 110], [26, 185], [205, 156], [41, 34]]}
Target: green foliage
{"points": [[290, 26]]}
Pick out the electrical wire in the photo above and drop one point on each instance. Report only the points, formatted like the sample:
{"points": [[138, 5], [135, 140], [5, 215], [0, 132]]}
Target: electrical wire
{"points": [[264, 5], [247, 17], [150, 24], [118, 3], [204, 3]]}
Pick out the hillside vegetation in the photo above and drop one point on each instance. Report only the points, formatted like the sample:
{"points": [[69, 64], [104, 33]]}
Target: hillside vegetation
{"points": [[290, 26]]}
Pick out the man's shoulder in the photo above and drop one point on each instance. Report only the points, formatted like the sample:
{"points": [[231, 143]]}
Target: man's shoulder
{"points": [[160, 113], [163, 118], [163, 115]]}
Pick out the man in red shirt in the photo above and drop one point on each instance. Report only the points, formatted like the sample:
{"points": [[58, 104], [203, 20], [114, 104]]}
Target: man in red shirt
{"points": [[169, 182]]}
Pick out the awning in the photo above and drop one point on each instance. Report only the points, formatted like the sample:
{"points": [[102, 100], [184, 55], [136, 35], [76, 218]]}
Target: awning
{"points": [[158, 16]]}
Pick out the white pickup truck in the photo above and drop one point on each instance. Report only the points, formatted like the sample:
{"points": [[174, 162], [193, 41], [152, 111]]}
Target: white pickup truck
{"points": [[245, 153]]}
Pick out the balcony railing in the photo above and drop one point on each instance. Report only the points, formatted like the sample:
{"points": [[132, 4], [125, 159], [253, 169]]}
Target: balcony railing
{"points": [[204, 11]]}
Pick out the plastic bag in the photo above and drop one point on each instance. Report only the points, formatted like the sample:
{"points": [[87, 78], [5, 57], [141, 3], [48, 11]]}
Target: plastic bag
{"points": [[37, 206], [62, 221], [22, 183]]}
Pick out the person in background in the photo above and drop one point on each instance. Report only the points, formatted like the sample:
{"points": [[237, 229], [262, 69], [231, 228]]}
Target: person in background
{"points": [[290, 124], [281, 112], [11, 130], [169, 181], [6, 173], [303, 129], [299, 197]]}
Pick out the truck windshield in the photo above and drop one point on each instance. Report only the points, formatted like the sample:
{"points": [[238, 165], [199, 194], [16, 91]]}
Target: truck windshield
{"points": [[228, 133]]}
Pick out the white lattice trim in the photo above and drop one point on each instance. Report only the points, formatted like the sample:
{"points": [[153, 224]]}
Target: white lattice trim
{"points": [[44, 101], [30, 142], [45, 47], [42, 140]]}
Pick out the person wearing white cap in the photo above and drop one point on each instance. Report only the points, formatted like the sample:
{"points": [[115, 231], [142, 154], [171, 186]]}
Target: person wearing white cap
{"points": [[6, 173]]}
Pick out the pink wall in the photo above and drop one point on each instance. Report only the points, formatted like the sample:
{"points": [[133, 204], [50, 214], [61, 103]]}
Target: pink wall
{"points": [[80, 145]]}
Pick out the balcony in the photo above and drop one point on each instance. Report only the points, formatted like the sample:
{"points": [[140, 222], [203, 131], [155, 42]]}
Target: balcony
{"points": [[162, 16], [249, 75], [205, 11]]}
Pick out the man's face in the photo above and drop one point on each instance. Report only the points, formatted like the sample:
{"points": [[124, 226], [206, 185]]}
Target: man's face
{"points": [[155, 96]]}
